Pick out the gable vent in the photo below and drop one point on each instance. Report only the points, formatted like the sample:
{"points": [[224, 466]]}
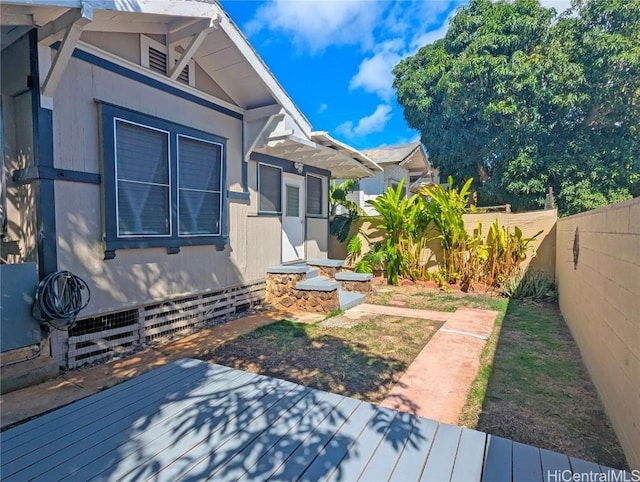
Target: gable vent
{"points": [[158, 61], [184, 75]]}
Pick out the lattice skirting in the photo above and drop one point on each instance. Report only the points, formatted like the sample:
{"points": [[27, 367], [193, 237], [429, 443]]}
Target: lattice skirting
{"points": [[99, 337]]}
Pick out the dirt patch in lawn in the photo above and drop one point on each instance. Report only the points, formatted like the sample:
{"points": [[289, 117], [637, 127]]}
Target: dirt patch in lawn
{"points": [[362, 362], [425, 298], [540, 393]]}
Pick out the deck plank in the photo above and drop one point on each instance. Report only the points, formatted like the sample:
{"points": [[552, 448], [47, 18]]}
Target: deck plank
{"points": [[553, 465], [414, 455], [583, 467], [203, 448], [364, 445], [54, 447], [337, 449], [25, 433], [292, 454], [248, 454], [383, 460], [470, 456], [498, 463], [442, 455], [527, 466], [313, 445], [124, 440]]}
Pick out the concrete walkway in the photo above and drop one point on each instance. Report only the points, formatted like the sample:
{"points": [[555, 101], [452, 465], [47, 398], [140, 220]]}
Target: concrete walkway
{"points": [[76, 384], [437, 383]]}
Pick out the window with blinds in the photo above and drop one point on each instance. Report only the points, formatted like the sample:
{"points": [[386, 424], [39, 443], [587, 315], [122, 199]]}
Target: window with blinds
{"points": [[269, 189], [163, 183], [199, 187], [314, 195], [142, 180]]}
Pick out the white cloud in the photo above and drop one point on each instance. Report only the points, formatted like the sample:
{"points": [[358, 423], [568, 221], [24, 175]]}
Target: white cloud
{"points": [[317, 24], [429, 37], [559, 5], [367, 125], [323, 107], [375, 73]]}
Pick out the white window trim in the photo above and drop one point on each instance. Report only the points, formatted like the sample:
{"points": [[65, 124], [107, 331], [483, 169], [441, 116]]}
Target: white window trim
{"points": [[258, 184], [322, 197], [219, 191], [115, 166], [173, 56]]}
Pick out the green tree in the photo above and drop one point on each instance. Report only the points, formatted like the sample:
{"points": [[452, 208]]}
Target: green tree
{"points": [[522, 100]]}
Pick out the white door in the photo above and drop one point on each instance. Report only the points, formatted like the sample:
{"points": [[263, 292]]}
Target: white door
{"points": [[293, 215]]}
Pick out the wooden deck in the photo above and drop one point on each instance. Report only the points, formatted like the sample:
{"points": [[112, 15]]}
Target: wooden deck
{"points": [[194, 421]]}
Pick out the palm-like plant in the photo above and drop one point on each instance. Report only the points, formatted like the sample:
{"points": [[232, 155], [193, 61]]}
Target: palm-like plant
{"points": [[340, 224], [405, 223], [446, 207]]}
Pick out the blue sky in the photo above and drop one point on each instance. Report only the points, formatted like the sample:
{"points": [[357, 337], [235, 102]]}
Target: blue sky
{"points": [[335, 57]]}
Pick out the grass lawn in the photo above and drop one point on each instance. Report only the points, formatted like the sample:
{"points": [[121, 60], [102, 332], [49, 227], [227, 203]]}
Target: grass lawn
{"points": [[539, 392], [363, 362]]}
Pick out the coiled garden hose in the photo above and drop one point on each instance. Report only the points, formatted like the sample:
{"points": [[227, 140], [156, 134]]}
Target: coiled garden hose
{"points": [[59, 299]]}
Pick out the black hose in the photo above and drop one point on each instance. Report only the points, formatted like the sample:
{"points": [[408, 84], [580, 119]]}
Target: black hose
{"points": [[59, 299]]}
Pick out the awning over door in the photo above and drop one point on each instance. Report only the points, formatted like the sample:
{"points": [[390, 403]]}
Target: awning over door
{"points": [[320, 151]]}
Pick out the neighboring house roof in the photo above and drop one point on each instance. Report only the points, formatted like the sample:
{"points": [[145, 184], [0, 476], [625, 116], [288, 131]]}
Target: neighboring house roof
{"points": [[411, 156], [204, 32]]}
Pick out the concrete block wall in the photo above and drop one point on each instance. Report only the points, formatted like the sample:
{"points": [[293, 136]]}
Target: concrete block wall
{"points": [[598, 277]]}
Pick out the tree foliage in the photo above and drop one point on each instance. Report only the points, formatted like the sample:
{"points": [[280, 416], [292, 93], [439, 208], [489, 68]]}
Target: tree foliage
{"points": [[521, 100]]}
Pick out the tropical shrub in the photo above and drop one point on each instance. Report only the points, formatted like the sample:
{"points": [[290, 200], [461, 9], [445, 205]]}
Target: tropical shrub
{"points": [[405, 222], [445, 208], [506, 251], [467, 257], [530, 285], [340, 224]]}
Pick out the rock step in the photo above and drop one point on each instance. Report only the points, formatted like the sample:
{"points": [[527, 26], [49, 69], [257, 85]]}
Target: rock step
{"points": [[318, 283], [294, 269], [349, 299], [348, 276], [326, 263]]}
